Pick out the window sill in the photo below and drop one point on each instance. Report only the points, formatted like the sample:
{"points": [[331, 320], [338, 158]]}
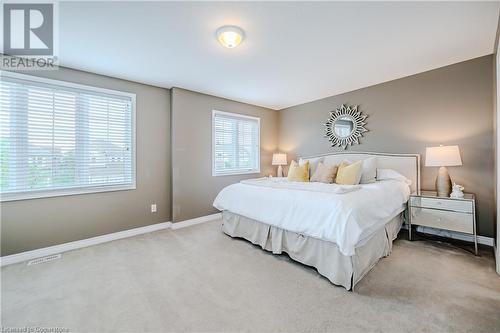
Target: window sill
{"points": [[63, 192], [234, 173]]}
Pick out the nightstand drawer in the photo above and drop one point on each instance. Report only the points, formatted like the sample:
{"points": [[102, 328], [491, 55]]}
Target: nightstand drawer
{"points": [[446, 204], [461, 222]]}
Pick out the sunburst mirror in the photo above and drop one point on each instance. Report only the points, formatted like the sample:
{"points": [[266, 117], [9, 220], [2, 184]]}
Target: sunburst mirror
{"points": [[345, 126]]}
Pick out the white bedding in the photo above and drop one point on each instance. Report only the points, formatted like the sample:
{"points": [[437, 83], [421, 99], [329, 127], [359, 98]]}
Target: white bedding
{"points": [[324, 211], [283, 183]]}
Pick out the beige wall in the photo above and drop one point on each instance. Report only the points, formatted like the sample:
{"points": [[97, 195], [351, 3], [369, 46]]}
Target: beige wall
{"points": [[193, 186], [32, 224], [496, 106], [450, 105]]}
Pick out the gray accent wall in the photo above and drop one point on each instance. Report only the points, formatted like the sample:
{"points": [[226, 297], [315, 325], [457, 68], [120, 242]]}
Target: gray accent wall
{"points": [[450, 105], [36, 223], [496, 123], [193, 186]]}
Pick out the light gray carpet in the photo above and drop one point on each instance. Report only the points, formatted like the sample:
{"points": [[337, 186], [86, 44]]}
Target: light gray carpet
{"points": [[198, 279]]}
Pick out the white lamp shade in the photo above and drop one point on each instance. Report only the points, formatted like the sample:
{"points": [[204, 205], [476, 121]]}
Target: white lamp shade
{"points": [[442, 156], [279, 159]]}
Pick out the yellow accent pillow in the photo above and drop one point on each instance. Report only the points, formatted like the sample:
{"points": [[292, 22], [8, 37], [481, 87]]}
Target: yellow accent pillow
{"points": [[298, 173], [349, 174]]}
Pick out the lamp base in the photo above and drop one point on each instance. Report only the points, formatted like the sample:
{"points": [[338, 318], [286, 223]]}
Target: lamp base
{"points": [[280, 171], [443, 183]]}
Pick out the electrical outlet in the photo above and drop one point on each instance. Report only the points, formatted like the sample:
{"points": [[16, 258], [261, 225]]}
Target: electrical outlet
{"points": [[153, 208]]}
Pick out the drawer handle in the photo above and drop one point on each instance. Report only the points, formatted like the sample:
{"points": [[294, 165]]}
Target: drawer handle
{"points": [[439, 219], [438, 203]]}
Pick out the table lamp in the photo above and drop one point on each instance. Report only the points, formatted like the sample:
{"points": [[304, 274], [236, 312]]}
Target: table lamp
{"points": [[279, 159], [442, 157]]}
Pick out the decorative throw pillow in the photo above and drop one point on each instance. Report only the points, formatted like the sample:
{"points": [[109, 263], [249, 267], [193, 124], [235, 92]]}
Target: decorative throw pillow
{"points": [[324, 173], [297, 173], [349, 174], [369, 172]]}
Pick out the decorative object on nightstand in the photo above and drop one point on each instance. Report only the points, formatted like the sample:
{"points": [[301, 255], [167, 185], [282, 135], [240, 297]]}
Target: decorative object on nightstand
{"points": [[279, 159], [452, 214], [442, 157], [457, 192]]}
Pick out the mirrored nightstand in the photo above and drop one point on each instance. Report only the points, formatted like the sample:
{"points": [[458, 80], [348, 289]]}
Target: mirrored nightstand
{"points": [[429, 210]]}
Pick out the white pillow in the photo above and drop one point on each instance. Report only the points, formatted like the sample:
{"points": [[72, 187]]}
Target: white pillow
{"points": [[313, 164], [385, 174], [369, 171]]}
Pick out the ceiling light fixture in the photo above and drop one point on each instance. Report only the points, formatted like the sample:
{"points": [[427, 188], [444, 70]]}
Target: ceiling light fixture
{"points": [[230, 36]]}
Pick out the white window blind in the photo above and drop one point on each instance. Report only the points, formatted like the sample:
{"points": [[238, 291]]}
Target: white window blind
{"points": [[59, 138], [236, 143]]}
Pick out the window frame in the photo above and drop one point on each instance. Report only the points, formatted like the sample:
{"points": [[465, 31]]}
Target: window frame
{"points": [[237, 172], [57, 192]]}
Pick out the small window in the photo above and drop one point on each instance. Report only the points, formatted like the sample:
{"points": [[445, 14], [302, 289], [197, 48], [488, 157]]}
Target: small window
{"points": [[59, 138], [235, 144]]}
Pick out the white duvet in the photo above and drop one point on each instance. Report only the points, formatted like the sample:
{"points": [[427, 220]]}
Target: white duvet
{"points": [[345, 215]]}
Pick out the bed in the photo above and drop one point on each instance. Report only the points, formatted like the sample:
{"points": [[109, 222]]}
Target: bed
{"points": [[342, 231]]}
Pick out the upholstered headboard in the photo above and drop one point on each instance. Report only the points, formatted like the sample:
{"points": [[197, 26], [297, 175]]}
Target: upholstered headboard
{"points": [[406, 164]]}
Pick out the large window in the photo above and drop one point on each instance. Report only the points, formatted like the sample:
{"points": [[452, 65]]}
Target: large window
{"points": [[60, 138], [236, 144]]}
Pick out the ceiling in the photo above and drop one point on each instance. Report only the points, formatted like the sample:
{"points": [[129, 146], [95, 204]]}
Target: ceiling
{"points": [[294, 52]]}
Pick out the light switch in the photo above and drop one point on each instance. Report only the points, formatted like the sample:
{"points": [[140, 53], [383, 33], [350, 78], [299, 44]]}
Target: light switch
{"points": [[153, 208]]}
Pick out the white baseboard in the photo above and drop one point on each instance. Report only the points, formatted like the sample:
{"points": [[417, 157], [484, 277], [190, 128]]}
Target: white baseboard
{"points": [[489, 241], [47, 251], [198, 220]]}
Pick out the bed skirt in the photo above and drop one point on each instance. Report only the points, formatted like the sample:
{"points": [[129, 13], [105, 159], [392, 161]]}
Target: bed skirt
{"points": [[325, 256]]}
